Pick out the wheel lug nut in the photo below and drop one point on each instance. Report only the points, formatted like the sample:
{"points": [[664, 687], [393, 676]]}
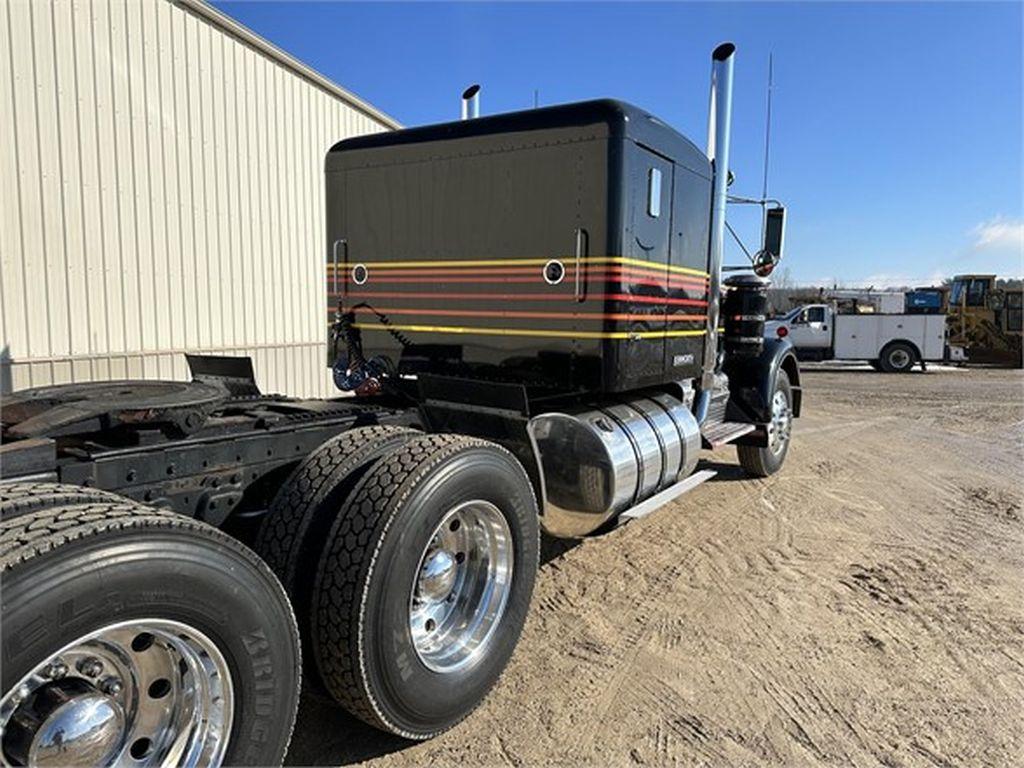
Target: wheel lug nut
{"points": [[111, 686], [55, 670], [20, 695], [90, 666]]}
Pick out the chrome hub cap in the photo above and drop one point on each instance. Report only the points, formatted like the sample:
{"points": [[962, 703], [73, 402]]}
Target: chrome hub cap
{"points": [[437, 577], [137, 693], [781, 423], [68, 717], [461, 586]]}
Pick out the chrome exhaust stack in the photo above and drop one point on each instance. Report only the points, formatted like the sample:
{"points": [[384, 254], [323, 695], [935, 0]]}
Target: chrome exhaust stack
{"points": [[719, 126], [471, 102]]}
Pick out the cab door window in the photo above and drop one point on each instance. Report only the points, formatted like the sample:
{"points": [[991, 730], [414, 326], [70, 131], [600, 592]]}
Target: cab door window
{"points": [[958, 292], [976, 293]]}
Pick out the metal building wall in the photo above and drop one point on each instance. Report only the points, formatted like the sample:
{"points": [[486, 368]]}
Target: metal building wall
{"points": [[161, 181]]}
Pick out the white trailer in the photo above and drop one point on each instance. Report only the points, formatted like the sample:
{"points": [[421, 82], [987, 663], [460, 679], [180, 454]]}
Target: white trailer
{"points": [[892, 343]]}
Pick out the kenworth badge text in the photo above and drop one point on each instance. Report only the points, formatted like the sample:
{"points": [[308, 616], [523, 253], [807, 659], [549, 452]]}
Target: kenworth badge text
{"points": [[530, 312]]}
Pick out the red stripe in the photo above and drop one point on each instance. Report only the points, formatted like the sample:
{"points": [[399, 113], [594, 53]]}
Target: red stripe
{"points": [[570, 268], [701, 289], [647, 276], [376, 278], [646, 272], [566, 297], [656, 282], [440, 271], [534, 315]]}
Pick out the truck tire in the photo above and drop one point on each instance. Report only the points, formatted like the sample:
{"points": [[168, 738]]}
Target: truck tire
{"points": [[762, 461], [292, 534], [897, 357], [168, 634], [19, 498], [441, 535]]}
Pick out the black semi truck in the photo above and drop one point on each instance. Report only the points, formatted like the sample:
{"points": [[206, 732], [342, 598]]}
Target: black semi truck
{"points": [[526, 310]]}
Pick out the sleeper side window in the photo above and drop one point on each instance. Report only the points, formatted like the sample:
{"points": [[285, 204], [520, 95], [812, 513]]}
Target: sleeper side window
{"points": [[654, 193]]}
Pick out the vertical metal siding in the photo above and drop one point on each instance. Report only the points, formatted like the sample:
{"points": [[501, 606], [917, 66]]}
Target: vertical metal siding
{"points": [[162, 192]]}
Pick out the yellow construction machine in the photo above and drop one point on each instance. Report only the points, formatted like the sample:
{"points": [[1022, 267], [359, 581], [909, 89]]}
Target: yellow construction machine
{"points": [[984, 321]]}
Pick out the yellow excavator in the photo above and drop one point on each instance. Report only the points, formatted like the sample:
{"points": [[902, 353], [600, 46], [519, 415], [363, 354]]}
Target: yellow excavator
{"points": [[983, 321]]}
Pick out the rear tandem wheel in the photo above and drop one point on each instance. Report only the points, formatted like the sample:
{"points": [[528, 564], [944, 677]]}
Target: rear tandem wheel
{"points": [[424, 583], [293, 532]]}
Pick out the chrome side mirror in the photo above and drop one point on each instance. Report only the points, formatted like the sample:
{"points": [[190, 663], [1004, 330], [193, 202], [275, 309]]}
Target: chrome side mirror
{"points": [[764, 263]]}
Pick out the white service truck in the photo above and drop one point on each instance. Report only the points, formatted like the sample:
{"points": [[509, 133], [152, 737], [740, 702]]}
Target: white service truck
{"points": [[889, 342]]}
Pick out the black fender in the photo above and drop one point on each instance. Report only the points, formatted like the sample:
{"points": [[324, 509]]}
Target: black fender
{"points": [[752, 381]]}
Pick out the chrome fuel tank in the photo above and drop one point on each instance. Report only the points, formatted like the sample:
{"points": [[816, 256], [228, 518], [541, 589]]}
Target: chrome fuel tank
{"points": [[601, 461]]}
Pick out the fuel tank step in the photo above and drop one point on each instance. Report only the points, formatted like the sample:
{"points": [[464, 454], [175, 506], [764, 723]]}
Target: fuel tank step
{"points": [[724, 432], [671, 493]]}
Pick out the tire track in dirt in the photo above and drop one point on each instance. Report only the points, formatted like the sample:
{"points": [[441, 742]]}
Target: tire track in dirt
{"points": [[860, 608], [644, 538], [916, 580], [720, 562], [812, 721], [640, 621]]}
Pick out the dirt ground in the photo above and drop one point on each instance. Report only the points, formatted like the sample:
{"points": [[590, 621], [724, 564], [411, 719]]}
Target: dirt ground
{"points": [[863, 607]]}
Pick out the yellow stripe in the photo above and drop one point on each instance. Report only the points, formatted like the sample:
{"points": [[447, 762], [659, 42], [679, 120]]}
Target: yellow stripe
{"points": [[529, 263], [528, 332], [649, 265]]}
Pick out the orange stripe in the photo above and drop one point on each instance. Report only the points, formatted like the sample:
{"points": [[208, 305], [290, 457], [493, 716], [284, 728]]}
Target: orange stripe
{"points": [[566, 297], [660, 283], [591, 260], [648, 272], [570, 269], [535, 315], [657, 282], [441, 271], [659, 273]]}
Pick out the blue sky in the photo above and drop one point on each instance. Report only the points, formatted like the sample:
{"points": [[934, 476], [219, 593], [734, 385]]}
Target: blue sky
{"points": [[897, 127]]}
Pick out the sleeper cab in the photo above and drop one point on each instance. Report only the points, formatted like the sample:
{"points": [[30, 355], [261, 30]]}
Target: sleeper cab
{"points": [[565, 248]]}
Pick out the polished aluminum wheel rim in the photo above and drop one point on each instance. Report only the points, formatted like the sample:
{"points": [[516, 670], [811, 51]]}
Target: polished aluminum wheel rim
{"points": [[149, 692], [781, 423], [461, 586]]}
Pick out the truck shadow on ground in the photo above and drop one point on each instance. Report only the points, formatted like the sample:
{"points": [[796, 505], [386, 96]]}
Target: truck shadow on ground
{"points": [[327, 735], [724, 471], [815, 368]]}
